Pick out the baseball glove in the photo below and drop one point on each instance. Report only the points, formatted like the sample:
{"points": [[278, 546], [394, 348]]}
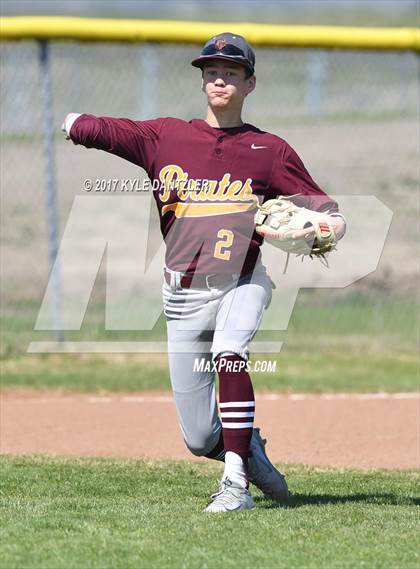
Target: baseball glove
{"points": [[295, 229]]}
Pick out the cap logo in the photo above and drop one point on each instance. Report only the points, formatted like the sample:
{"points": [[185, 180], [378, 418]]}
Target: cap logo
{"points": [[220, 44]]}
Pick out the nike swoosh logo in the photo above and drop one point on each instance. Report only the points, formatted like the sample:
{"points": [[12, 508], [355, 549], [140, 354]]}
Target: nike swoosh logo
{"points": [[257, 147]]}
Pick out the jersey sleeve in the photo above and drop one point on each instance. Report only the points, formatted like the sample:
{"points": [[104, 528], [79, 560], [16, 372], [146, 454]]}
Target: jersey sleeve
{"points": [[289, 177], [135, 141]]}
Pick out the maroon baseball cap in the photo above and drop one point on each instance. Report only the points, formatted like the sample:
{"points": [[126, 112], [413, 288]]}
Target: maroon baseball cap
{"points": [[229, 47]]}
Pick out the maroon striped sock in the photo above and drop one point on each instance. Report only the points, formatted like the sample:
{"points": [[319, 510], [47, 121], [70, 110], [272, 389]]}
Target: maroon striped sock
{"points": [[236, 403]]}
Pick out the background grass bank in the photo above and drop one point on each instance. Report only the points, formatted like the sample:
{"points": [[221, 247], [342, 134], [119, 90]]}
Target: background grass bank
{"points": [[294, 371]]}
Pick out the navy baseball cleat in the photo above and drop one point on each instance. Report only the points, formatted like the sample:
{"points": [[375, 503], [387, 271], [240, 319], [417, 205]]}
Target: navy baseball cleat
{"points": [[262, 473]]}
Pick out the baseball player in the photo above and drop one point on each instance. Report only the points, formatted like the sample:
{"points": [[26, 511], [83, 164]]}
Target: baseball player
{"points": [[213, 174]]}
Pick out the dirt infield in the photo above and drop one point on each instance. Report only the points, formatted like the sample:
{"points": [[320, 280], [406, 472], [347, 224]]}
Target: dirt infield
{"points": [[360, 431]]}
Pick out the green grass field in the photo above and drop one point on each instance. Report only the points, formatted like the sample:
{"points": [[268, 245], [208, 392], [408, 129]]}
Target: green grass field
{"points": [[64, 513]]}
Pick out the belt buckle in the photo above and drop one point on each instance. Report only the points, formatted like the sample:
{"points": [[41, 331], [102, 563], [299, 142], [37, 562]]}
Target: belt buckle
{"points": [[208, 285]]}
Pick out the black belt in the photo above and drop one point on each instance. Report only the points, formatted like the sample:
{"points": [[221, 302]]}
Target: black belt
{"points": [[203, 281]]}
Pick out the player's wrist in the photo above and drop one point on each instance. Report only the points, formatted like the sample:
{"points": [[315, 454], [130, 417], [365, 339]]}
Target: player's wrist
{"points": [[68, 123]]}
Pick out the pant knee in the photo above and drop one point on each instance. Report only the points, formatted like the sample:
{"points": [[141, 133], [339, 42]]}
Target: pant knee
{"points": [[201, 443]]}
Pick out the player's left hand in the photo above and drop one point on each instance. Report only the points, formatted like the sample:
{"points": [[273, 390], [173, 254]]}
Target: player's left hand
{"points": [[297, 229], [336, 223]]}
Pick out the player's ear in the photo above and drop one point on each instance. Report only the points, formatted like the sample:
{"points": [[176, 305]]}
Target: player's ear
{"points": [[251, 83]]}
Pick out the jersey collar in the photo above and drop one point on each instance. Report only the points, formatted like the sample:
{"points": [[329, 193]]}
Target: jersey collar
{"points": [[201, 124]]}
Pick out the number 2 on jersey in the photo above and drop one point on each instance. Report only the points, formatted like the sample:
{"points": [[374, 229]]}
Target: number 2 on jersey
{"points": [[226, 240]]}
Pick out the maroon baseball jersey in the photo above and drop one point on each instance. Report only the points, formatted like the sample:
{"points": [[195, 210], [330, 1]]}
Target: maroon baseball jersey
{"points": [[210, 181]]}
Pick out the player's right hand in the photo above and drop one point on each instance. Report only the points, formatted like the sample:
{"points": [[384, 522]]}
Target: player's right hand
{"points": [[68, 123], [63, 129]]}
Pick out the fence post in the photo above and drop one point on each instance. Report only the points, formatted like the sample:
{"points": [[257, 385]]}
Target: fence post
{"points": [[317, 75], [149, 81], [48, 128]]}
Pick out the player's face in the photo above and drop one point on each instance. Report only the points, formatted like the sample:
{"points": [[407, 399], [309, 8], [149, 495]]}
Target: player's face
{"points": [[225, 83]]}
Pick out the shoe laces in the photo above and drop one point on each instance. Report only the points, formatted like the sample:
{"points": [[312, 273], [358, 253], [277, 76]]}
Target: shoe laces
{"points": [[225, 494], [222, 485]]}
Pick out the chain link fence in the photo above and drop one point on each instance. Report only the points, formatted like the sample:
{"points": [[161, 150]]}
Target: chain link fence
{"points": [[351, 115]]}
